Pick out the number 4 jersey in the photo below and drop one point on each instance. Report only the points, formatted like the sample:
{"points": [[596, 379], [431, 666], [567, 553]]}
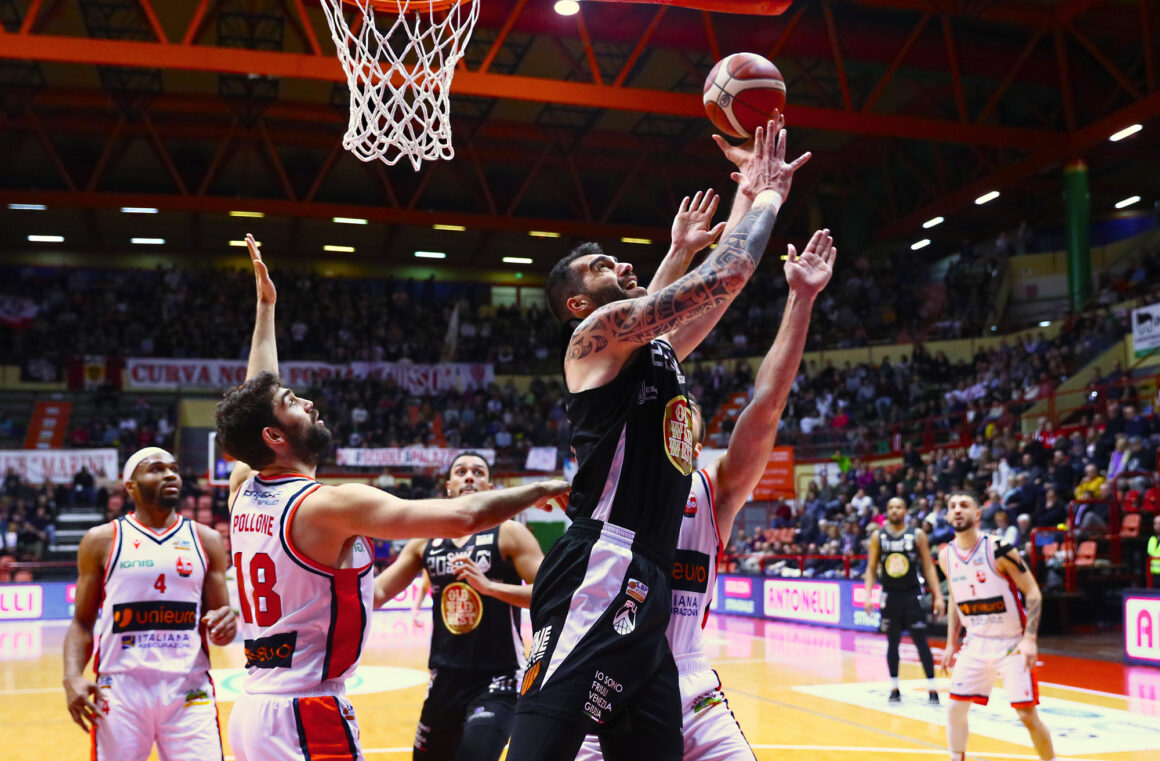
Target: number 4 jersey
{"points": [[303, 623]]}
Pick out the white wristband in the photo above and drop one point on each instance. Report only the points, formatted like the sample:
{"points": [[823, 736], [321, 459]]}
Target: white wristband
{"points": [[769, 198]]}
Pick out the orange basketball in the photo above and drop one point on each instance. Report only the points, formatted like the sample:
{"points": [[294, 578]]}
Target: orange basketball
{"points": [[742, 93]]}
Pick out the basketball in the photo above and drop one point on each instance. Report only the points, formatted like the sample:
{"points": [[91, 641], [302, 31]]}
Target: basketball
{"points": [[742, 93]]}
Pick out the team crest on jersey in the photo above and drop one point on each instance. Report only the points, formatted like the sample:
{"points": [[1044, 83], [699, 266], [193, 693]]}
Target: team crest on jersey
{"points": [[678, 434], [136, 544], [637, 590], [483, 560], [897, 565], [128, 641], [691, 506], [184, 566], [461, 608], [624, 622], [981, 575]]}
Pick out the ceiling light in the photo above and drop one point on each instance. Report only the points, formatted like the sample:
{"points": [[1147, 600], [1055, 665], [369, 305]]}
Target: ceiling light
{"points": [[920, 244], [147, 241], [255, 214], [430, 255], [543, 234], [567, 7], [516, 260], [242, 243], [138, 210], [339, 249], [1126, 132], [350, 221], [1045, 323], [451, 228], [27, 206], [641, 241], [986, 197], [932, 222], [1127, 202], [46, 239]]}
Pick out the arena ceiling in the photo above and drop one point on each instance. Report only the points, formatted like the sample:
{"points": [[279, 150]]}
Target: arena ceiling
{"points": [[590, 126]]}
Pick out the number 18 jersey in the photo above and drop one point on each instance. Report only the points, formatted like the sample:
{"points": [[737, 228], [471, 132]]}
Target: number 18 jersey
{"points": [[303, 623]]}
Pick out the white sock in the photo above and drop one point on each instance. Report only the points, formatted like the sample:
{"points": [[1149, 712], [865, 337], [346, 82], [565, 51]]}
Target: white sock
{"points": [[958, 756], [894, 683], [930, 685]]}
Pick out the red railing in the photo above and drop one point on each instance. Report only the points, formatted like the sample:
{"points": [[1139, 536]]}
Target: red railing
{"points": [[766, 559]]}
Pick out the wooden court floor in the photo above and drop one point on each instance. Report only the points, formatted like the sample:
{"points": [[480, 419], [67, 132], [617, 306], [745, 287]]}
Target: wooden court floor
{"points": [[800, 692]]}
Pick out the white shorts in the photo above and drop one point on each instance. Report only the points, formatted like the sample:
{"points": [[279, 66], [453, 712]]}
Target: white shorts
{"points": [[295, 727], [981, 659], [176, 711], [709, 730]]}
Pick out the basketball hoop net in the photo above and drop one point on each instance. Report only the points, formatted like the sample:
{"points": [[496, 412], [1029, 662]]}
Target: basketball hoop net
{"points": [[400, 77]]}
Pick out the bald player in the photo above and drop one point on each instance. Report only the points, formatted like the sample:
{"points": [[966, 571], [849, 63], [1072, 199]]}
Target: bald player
{"points": [[151, 587]]}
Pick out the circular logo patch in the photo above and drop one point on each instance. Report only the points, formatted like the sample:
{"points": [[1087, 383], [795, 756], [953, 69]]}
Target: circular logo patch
{"points": [[897, 565], [678, 434], [461, 607]]}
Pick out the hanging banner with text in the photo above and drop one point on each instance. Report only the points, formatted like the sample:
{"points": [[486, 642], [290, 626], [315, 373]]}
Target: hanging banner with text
{"points": [[213, 374], [59, 465], [405, 457], [1146, 329]]}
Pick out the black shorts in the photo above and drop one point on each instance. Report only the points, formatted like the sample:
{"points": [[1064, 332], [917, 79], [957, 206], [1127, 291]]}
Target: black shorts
{"points": [[904, 610], [599, 611], [469, 708]]}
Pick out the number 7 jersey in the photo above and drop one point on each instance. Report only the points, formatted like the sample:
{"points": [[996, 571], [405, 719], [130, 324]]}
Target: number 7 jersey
{"points": [[304, 623]]}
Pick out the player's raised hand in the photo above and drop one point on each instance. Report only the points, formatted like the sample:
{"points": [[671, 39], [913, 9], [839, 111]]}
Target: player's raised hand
{"points": [[692, 229], [739, 155], [768, 169], [81, 696], [808, 273], [221, 624], [266, 291]]}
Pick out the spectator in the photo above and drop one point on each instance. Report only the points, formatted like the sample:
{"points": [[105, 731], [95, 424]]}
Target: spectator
{"points": [[1092, 483]]}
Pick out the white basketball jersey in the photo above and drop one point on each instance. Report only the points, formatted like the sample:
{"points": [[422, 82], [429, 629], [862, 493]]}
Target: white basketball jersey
{"points": [[694, 575], [988, 602], [303, 623], [150, 614]]}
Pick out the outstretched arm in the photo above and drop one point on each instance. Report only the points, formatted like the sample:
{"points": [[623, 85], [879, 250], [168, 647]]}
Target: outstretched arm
{"points": [[263, 345], [519, 547], [602, 343], [398, 575], [692, 231], [81, 695], [739, 469]]}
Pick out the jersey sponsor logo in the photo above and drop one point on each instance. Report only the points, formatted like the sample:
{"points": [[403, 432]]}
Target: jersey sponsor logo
{"points": [[691, 506], [136, 544], [184, 566], [540, 641], [714, 698], [155, 640], [678, 434], [686, 605], [197, 698], [691, 571], [897, 565], [600, 695], [461, 608], [182, 544], [981, 575], [646, 393], [624, 622], [502, 684], [161, 615], [667, 360], [262, 496], [142, 563], [128, 641], [272, 652], [253, 523], [985, 607], [636, 589]]}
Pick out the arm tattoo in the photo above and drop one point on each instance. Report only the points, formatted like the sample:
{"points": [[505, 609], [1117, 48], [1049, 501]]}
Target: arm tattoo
{"points": [[1034, 611], [712, 285]]}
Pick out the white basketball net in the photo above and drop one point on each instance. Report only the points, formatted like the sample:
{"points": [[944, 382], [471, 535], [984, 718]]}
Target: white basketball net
{"points": [[400, 78]]}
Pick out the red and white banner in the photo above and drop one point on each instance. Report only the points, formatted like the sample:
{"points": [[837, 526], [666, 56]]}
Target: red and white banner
{"points": [[59, 465], [817, 601], [405, 457], [211, 374], [16, 312]]}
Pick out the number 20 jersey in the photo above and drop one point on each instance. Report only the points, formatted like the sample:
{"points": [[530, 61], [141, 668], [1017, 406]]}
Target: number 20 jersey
{"points": [[303, 623]]}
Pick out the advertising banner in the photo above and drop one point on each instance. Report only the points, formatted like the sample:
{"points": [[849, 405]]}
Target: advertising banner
{"points": [[31, 602], [777, 480], [405, 457], [59, 465], [1142, 627], [836, 602], [1145, 329]]}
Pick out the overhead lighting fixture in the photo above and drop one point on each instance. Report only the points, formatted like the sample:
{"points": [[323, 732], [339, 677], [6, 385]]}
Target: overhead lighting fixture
{"points": [[451, 228], [1126, 132], [516, 260], [46, 239], [430, 255], [242, 243], [339, 249], [1045, 323], [920, 244], [567, 7], [138, 210], [543, 234], [1127, 202], [350, 221], [254, 214], [640, 241], [147, 241], [27, 206], [986, 197], [932, 222]]}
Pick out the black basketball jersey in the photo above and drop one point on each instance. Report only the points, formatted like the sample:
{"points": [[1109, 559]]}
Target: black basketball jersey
{"points": [[633, 440], [899, 562], [470, 630]]}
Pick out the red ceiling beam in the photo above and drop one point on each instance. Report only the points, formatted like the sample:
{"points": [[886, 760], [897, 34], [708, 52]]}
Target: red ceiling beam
{"points": [[316, 210], [898, 59], [1102, 60], [836, 51], [195, 23], [588, 50], [639, 49], [504, 31], [953, 60], [1011, 74], [1065, 79]]}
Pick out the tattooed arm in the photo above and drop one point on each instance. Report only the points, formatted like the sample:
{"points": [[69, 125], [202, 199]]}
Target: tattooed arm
{"points": [[1014, 568], [605, 340]]}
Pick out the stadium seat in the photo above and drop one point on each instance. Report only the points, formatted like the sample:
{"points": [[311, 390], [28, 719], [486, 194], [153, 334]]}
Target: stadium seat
{"points": [[1085, 557], [205, 516], [1152, 499], [1130, 526], [1133, 500], [189, 501], [1049, 550], [205, 502], [22, 576], [188, 512]]}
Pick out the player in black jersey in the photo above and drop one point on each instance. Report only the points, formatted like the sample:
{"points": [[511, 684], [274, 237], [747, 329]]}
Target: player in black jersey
{"points": [[600, 662], [900, 549], [476, 649]]}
